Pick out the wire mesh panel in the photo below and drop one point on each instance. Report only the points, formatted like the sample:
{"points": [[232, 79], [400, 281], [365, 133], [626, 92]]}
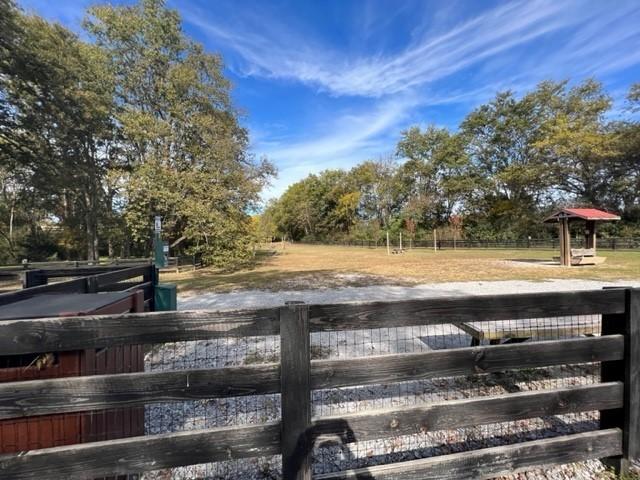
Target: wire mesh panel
{"points": [[336, 454], [216, 412]]}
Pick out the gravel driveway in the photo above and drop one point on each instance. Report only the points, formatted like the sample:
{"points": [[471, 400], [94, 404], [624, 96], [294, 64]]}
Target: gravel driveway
{"points": [[263, 298]]}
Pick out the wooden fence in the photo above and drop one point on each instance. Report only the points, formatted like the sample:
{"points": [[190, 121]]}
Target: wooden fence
{"points": [[617, 396], [89, 280], [178, 263], [27, 265]]}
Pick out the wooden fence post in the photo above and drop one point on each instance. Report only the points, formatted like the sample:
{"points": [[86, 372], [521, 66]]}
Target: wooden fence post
{"points": [[91, 284], [152, 275], [295, 366], [632, 376], [627, 371], [34, 278]]}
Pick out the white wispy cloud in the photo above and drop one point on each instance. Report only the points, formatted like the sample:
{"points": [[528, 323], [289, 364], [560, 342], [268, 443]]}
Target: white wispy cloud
{"points": [[446, 60], [271, 49], [350, 138]]}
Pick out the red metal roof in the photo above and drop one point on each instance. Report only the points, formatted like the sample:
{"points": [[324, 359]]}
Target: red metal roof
{"points": [[583, 214]]}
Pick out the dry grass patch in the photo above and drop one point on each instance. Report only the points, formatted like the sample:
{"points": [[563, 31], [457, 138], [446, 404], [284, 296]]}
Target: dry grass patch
{"points": [[313, 266]]}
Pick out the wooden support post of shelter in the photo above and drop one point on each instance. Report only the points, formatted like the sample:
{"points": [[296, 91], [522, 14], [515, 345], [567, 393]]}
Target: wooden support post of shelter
{"points": [[579, 256]]}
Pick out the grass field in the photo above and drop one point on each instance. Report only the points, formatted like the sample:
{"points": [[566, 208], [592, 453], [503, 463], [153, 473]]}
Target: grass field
{"points": [[312, 266]]}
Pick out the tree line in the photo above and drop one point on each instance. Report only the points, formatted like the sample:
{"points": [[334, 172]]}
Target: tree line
{"points": [[99, 136], [508, 164]]}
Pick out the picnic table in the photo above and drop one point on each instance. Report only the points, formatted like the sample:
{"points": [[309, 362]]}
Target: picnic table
{"points": [[514, 331]]}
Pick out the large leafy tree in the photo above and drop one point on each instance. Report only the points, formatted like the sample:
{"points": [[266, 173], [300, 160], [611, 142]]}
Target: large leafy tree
{"points": [[501, 141], [56, 128], [511, 160], [623, 168], [381, 191], [576, 142], [436, 175], [186, 152]]}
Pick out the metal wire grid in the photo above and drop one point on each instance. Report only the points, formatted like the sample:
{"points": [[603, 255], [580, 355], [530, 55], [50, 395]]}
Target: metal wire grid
{"points": [[336, 456], [333, 455], [216, 412]]}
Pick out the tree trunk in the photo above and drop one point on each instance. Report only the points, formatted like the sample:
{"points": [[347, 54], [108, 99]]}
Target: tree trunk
{"points": [[11, 215], [90, 237]]}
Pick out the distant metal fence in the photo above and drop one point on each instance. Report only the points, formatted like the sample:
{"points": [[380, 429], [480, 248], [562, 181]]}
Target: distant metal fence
{"points": [[630, 243], [183, 263]]}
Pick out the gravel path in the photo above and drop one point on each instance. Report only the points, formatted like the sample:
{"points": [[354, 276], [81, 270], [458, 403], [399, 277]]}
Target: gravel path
{"points": [[334, 455], [263, 298]]}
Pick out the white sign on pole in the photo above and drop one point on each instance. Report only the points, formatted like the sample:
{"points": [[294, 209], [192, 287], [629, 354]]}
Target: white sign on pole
{"points": [[158, 224]]}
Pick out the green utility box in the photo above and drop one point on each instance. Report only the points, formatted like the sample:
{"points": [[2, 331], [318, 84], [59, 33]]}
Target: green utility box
{"points": [[160, 253], [166, 297]]}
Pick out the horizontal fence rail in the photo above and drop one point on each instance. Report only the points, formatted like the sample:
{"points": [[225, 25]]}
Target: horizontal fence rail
{"points": [[101, 331], [297, 376], [151, 452], [75, 394], [73, 264], [452, 414], [61, 395], [44, 335], [463, 361], [91, 280], [496, 461], [464, 309]]}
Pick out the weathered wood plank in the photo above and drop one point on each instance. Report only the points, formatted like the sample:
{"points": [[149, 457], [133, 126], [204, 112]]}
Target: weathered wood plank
{"points": [[463, 361], [125, 286], [34, 278], [135, 454], [139, 286], [124, 274], [99, 331], [495, 461], [464, 309], [453, 414], [82, 271], [77, 285], [295, 353], [74, 394], [632, 377], [615, 324]]}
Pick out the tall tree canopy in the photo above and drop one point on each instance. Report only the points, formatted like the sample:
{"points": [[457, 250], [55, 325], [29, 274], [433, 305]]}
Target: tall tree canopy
{"points": [[510, 162], [57, 128], [97, 138]]}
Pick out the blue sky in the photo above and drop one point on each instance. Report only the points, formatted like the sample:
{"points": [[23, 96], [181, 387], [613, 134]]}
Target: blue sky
{"points": [[328, 84]]}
